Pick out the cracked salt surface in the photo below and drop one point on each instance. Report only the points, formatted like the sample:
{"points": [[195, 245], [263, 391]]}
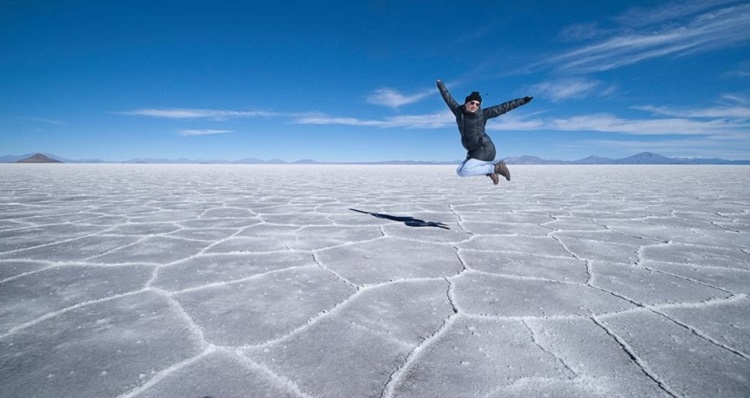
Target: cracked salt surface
{"points": [[373, 281]]}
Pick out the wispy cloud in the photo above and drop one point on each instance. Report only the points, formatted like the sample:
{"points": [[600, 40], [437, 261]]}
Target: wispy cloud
{"points": [[668, 12], [394, 99], [665, 126], [189, 133], [736, 98], [710, 30], [734, 112], [742, 70], [582, 31], [43, 120], [574, 88], [511, 122], [187, 113], [429, 121], [474, 34]]}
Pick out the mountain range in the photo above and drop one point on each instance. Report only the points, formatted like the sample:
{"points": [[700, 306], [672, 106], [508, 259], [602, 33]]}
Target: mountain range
{"points": [[641, 158]]}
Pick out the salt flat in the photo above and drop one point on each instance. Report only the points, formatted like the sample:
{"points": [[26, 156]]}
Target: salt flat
{"points": [[370, 281]]}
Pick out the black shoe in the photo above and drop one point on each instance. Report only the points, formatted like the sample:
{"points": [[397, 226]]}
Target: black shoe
{"points": [[502, 169]]}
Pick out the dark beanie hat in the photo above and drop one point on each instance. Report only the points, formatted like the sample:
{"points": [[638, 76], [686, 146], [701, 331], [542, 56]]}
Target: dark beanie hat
{"points": [[474, 96]]}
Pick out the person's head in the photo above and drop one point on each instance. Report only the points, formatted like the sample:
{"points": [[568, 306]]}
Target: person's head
{"points": [[473, 101]]}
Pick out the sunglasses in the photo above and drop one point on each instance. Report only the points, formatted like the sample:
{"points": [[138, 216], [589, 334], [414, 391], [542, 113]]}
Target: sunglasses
{"points": [[474, 103]]}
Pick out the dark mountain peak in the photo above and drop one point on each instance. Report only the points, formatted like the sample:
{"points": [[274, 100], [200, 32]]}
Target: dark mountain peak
{"points": [[38, 158], [647, 158], [527, 159], [649, 155], [594, 159]]}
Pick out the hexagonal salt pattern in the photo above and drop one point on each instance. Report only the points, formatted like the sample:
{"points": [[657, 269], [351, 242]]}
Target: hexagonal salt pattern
{"points": [[373, 281]]}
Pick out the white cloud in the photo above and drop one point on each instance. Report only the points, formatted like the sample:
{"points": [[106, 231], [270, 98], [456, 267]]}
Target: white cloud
{"points": [[734, 112], [187, 113], [663, 126], [474, 34], [394, 99], [570, 88], [332, 120], [741, 70], [721, 28], [582, 31], [736, 98], [188, 133], [513, 122], [670, 11], [43, 120], [432, 121], [668, 126]]}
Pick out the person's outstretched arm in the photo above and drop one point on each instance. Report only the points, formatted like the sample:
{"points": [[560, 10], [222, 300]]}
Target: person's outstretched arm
{"points": [[447, 97], [497, 110]]}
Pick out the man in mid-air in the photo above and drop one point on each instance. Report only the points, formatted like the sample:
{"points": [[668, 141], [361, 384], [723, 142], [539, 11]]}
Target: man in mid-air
{"points": [[471, 119]]}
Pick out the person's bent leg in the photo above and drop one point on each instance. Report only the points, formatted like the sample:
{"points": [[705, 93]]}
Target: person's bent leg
{"points": [[473, 167]]}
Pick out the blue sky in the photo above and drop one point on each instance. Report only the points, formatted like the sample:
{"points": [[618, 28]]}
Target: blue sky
{"points": [[355, 81]]}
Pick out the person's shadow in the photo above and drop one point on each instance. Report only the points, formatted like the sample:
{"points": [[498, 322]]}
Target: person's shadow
{"points": [[408, 221]]}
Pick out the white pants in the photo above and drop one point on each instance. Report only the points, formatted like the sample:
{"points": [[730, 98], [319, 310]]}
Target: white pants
{"points": [[474, 167]]}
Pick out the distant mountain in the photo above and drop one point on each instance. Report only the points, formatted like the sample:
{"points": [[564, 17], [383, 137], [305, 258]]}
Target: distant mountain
{"points": [[249, 161], [16, 158], [38, 158], [595, 160], [653, 158], [148, 160], [168, 161], [711, 161], [64, 160], [408, 162], [527, 159], [641, 158], [645, 158]]}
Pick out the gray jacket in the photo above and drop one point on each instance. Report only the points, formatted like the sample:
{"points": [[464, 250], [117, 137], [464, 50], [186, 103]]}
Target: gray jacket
{"points": [[471, 125]]}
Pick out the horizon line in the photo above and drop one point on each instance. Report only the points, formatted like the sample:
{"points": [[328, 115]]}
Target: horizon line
{"points": [[639, 158]]}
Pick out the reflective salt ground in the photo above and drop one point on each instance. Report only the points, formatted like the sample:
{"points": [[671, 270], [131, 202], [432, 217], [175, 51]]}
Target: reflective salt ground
{"points": [[370, 281]]}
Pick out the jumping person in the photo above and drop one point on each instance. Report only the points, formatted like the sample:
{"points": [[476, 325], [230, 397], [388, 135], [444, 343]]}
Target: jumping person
{"points": [[471, 119]]}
